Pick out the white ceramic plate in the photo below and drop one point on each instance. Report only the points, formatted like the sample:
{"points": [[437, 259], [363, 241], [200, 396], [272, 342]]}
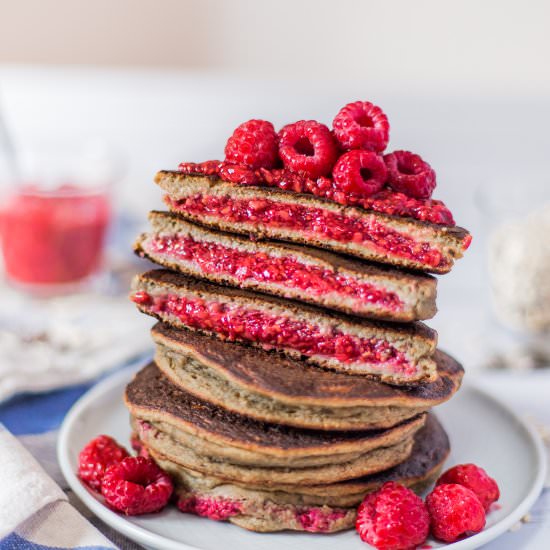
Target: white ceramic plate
{"points": [[481, 429]]}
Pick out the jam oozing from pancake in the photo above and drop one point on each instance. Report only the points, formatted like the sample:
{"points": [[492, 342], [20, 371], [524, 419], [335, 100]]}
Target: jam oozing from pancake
{"points": [[317, 222], [217, 508], [275, 331], [282, 271], [317, 520]]}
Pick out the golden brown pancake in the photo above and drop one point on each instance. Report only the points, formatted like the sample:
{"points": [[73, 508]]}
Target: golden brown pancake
{"points": [[323, 508], [273, 388]]}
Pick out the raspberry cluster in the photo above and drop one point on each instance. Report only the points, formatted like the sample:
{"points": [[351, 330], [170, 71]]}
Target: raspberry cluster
{"points": [[345, 164], [132, 485], [394, 518]]}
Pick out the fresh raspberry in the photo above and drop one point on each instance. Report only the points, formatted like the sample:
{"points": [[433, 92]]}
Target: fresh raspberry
{"points": [[361, 173], [362, 125], [392, 518], [474, 478], [409, 174], [455, 511], [253, 144], [235, 173], [96, 457], [136, 486], [308, 148]]}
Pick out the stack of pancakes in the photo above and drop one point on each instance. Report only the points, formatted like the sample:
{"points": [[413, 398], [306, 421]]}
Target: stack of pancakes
{"points": [[292, 373]]}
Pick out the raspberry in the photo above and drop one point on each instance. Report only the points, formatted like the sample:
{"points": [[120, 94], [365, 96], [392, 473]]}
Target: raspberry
{"points": [[96, 457], [455, 511], [392, 518], [308, 148], [360, 172], [409, 174], [136, 486], [474, 478], [362, 125], [253, 144]]}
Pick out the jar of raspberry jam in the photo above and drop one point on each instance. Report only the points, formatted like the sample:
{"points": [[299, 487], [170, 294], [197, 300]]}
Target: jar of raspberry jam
{"points": [[53, 237], [53, 230]]}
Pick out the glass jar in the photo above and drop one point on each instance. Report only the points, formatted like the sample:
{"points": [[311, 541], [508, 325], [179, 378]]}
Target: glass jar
{"points": [[54, 217]]}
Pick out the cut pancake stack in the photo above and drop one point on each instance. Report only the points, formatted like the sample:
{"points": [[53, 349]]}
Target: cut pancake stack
{"points": [[292, 372]]}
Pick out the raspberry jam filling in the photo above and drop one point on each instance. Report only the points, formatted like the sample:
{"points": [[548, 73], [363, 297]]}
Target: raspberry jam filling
{"points": [[283, 271], [316, 221], [216, 508], [386, 201], [275, 331], [315, 520]]}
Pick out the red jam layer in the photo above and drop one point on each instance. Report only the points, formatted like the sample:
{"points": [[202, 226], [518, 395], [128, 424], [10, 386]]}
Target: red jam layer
{"points": [[315, 221], [386, 201], [315, 520], [284, 271], [217, 508], [250, 325], [311, 519]]}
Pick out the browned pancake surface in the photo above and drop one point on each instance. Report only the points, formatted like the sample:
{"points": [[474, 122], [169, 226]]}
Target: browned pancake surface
{"points": [[431, 448], [151, 391], [274, 374]]}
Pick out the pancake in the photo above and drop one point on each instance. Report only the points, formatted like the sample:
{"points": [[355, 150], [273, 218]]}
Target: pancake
{"points": [[325, 508], [161, 445], [266, 212], [200, 435], [290, 271], [398, 353], [273, 388], [167, 435]]}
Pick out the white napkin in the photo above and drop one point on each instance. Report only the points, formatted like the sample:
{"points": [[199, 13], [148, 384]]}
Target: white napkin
{"points": [[33, 509]]}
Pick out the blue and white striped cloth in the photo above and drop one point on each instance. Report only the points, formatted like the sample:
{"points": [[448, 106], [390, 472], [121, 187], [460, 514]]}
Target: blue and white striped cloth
{"points": [[37, 509]]}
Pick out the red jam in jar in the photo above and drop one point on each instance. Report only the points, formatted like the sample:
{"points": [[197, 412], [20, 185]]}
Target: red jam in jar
{"points": [[52, 237]]}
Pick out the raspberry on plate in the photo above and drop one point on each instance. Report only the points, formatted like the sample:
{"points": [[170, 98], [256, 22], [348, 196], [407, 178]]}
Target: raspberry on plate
{"points": [[455, 512], [96, 457], [362, 125], [361, 173], [253, 144], [307, 147], [393, 518], [474, 478], [136, 486], [409, 174]]}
